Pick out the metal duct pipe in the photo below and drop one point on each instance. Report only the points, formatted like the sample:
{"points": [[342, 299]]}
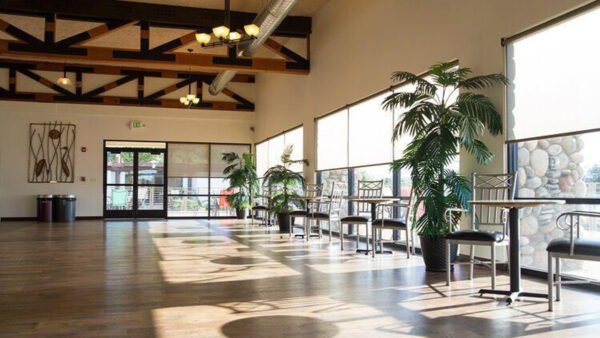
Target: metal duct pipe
{"points": [[267, 20]]}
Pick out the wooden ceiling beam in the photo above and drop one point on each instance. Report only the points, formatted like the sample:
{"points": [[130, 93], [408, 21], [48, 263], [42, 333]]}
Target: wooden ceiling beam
{"points": [[161, 15], [114, 70], [135, 57], [18, 33]]}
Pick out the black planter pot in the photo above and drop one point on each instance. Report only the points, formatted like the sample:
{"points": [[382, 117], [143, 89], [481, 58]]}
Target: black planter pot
{"points": [[284, 222], [434, 253], [240, 213]]}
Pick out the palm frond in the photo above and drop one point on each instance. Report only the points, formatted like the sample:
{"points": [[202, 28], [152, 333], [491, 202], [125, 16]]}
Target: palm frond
{"points": [[482, 81], [423, 86]]}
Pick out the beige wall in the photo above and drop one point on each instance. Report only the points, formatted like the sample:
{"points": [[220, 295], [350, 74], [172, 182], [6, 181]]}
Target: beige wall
{"points": [[94, 125], [356, 44]]}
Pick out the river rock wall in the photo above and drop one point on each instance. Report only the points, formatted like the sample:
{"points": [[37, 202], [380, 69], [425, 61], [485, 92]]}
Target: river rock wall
{"points": [[547, 168]]}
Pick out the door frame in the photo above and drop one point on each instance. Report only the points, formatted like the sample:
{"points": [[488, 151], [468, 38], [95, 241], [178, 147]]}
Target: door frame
{"points": [[134, 212]]}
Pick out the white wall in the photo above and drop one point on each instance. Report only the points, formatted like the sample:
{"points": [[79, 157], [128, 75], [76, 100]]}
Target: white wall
{"points": [[95, 124], [357, 44]]}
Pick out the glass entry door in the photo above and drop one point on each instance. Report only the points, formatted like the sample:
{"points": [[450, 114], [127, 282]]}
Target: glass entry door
{"points": [[134, 183]]}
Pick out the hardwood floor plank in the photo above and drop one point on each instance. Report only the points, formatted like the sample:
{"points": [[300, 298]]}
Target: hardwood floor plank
{"points": [[225, 278]]}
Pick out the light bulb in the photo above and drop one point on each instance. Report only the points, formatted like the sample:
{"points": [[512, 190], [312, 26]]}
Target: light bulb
{"points": [[203, 38], [183, 99], [65, 81], [251, 29], [190, 97], [196, 100], [235, 36], [221, 32]]}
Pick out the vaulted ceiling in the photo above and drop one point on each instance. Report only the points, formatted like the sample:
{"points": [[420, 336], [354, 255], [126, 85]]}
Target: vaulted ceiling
{"points": [[154, 36]]}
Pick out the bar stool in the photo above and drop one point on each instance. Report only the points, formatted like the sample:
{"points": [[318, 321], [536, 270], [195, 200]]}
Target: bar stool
{"points": [[574, 247], [311, 190], [363, 216]]}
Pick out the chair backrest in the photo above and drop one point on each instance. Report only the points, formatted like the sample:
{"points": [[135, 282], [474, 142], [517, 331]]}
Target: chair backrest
{"points": [[491, 187], [337, 196], [368, 189], [313, 190]]}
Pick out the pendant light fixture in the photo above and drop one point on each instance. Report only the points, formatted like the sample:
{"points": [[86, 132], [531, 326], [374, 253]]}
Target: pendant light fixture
{"points": [[64, 80], [225, 35], [189, 99]]}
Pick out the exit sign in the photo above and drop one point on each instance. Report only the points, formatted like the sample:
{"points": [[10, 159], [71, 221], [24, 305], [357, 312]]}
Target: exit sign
{"points": [[136, 124]]}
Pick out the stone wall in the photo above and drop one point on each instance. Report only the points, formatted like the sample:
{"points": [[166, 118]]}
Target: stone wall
{"points": [[547, 168]]}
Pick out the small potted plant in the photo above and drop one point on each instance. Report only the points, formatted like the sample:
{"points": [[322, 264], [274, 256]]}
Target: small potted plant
{"points": [[442, 117], [243, 181], [284, 185]]}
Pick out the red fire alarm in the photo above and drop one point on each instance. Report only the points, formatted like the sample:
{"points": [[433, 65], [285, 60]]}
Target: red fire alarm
{"points": [[82, 178], [83, 149]]}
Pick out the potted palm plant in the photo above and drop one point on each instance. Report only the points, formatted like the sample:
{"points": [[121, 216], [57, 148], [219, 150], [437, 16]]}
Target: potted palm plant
{"points": [[243, 181], [284, 185], [442, 117]]}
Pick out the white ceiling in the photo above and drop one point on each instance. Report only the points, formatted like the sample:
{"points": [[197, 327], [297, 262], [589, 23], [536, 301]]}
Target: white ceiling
{"points": [[304, 8]]}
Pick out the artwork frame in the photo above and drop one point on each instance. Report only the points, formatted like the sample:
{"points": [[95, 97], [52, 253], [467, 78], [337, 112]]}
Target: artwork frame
{"points": [[51, 152]]}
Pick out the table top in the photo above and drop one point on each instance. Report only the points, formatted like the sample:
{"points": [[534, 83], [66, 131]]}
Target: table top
{"points": [[520, 203], [372, 200]]}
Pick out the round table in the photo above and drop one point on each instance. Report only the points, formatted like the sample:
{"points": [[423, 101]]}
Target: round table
{"points": [[515, 249]]}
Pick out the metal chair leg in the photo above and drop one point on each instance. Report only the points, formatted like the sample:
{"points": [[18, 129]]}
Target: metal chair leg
{"points": [[342, 236], [307, 229], [448, 264], [380, 240], [407, 244], [320, 229], [550, 286], [472, 258], [291, 226], [374, 242], [367, 232], [330, 232], [493, 266], [413, 239], [557, 279]]}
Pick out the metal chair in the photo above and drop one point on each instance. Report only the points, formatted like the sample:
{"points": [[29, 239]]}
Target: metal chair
{"points": [[402, 222], [573, 247], [311, 190], [363, 215], [328, 211], [262, 204], [484, 187]]}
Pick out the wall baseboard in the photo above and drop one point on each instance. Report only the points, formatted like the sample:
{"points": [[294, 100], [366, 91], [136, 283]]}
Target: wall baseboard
{"points": [[33, 219]]}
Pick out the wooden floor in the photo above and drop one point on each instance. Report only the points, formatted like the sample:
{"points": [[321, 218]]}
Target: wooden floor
{"points": [[193, 278]]}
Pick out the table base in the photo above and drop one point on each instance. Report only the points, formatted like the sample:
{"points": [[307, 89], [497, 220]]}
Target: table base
{"points": [[368, 251], [512, 296]]}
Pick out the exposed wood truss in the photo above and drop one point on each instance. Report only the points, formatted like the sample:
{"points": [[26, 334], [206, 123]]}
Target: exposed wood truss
{"points": [[94, 96], [157, 15], [116, 15]]}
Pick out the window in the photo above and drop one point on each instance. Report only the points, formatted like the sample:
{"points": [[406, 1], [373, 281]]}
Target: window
{"points": [[268, 152], [196, 184], [552, 131], [357, 142]]}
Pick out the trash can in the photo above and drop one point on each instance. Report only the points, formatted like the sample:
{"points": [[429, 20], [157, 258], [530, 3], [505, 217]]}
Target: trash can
{"points": [[64, 208], [44, 208]]}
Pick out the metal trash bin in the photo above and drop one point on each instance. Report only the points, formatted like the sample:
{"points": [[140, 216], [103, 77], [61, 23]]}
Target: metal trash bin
{"points": [[44, 208], [64, 208]]}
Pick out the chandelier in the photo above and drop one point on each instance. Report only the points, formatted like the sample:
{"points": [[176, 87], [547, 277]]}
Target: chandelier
{"points": [[189, 99], [225, 36]]}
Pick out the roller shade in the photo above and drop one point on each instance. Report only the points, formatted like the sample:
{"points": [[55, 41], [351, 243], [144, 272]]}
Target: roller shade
{"points": [[553, 79], [188, 160]]}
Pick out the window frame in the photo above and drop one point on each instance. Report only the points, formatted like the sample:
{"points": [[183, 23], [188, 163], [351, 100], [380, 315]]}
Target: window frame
{"points": [[283, 133], [208, 195]]}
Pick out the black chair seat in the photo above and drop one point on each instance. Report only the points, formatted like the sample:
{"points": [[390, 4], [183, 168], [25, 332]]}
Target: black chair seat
{"points": [[395, 222], [473, 235], [298, 213], [364, 219], [260, 207], [583, 246], [318, 215]]}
